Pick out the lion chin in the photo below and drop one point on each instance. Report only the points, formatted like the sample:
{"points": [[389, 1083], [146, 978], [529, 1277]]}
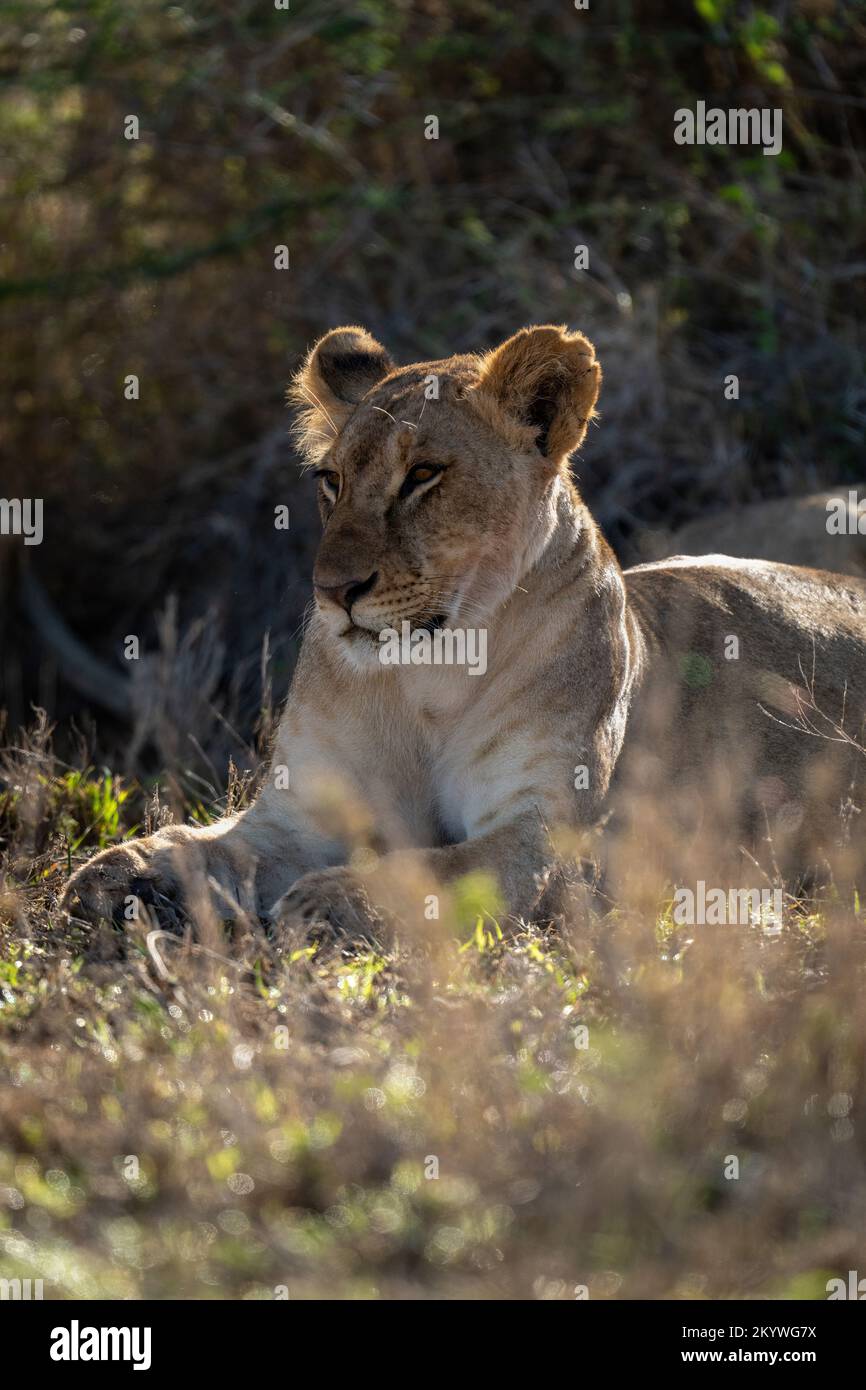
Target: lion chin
{"points": [[359, 647]]}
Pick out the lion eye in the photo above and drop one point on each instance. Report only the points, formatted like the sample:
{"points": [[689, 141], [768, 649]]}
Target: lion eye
{"points": [[421, 473], [329, 480]]}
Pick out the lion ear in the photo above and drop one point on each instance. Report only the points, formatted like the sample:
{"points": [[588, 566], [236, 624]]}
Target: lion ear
{"points": [[338, 372], [548, 379]]}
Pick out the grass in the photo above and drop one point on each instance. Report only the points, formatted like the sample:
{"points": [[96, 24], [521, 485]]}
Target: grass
{"points": [[544, 1115]]}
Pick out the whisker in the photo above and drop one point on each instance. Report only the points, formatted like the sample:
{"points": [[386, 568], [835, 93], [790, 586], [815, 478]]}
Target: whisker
{"points": [[306, 619], [469, 608], [307, 392]]}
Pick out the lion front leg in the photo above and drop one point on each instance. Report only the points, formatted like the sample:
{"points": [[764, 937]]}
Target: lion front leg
{"points": [[227, 870], [349, 903]]}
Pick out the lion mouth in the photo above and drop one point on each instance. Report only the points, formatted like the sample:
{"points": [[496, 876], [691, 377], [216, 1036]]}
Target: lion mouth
{"points": [[355, 632]]}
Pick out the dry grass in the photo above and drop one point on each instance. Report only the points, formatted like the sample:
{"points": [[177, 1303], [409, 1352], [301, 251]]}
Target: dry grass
{"points": [[179, 1122]]}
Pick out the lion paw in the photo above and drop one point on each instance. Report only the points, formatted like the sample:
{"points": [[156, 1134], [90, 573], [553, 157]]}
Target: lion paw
{"points": [[166, 871], [101, 887], [328, 904]]}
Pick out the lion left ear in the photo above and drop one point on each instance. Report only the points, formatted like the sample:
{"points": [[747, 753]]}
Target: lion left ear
{"points": [[338, 372], [548, 379]]}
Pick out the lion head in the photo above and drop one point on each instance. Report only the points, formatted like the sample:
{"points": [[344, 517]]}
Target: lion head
{"points": [[438, 482]]}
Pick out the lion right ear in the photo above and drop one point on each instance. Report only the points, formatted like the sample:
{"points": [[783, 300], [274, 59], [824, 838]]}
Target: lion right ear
{"points": [[338, 372], [547, 379]]}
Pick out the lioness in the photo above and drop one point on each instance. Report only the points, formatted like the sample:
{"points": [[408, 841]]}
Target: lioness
{"points": [[447, 502]]}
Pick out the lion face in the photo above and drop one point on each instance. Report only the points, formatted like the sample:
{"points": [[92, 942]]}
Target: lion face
{"points": [[437, 482]]}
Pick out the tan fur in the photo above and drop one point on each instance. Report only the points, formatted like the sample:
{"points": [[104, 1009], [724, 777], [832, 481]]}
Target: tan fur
{"points": [[587, 667]]}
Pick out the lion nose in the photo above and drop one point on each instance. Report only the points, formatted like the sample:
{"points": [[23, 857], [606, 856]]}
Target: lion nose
{"points": [[348, 591]]}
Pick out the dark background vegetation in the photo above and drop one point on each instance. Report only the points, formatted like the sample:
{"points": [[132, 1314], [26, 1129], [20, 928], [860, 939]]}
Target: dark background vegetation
{"points": [[261, 127]]}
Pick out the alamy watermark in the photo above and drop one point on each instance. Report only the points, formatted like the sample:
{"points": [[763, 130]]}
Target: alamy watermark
{"points": [[736, 126], [711, 907], [22, 516], [855, 1288], [77, 1343], [21, 1289], [444, 646], [846, 516]]}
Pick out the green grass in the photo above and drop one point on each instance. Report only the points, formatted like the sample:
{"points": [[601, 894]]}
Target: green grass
{"points": [[242, 1125]]}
